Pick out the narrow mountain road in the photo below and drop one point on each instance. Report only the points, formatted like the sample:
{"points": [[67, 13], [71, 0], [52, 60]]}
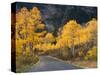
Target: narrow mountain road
{"points": [[48, 63]]}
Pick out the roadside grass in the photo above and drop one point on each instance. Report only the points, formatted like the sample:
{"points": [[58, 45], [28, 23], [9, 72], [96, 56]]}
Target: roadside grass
{"points": [[25, 63], [84, 63]]}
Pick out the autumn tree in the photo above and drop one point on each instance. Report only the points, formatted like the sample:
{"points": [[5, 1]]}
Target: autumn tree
{"points": [[27, 24], [88, 36], [68, 36]]}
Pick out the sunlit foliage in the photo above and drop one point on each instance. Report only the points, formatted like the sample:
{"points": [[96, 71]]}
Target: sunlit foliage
{"points": [[27, 25], [73, 38]]}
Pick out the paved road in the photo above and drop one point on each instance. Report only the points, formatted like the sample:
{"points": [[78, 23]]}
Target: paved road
{"points": [[47, 63]]}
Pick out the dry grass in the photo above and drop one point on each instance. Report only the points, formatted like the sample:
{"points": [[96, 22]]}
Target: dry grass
{"points": [[24, 63], [84, 64]]}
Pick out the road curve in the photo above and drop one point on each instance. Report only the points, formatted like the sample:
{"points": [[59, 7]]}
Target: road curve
{"points": [[47, 63]]}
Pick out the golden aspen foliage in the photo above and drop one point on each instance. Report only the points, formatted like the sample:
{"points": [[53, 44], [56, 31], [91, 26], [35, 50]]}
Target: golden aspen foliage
{"points": [[69, 33], [27, 22], [49, 36], [41, 26], [35, 13], [71, 36], [91, 54], [88, 32]]}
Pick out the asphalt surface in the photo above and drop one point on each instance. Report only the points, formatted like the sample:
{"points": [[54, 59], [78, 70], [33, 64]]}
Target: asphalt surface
{"points": [[47, 63]]}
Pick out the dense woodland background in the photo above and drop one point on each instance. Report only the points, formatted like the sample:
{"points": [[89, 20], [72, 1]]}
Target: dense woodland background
{"points": [[65, 32]]}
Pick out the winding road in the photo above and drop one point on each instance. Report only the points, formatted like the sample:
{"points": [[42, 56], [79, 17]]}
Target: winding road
{"points": [[48, 63]]}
